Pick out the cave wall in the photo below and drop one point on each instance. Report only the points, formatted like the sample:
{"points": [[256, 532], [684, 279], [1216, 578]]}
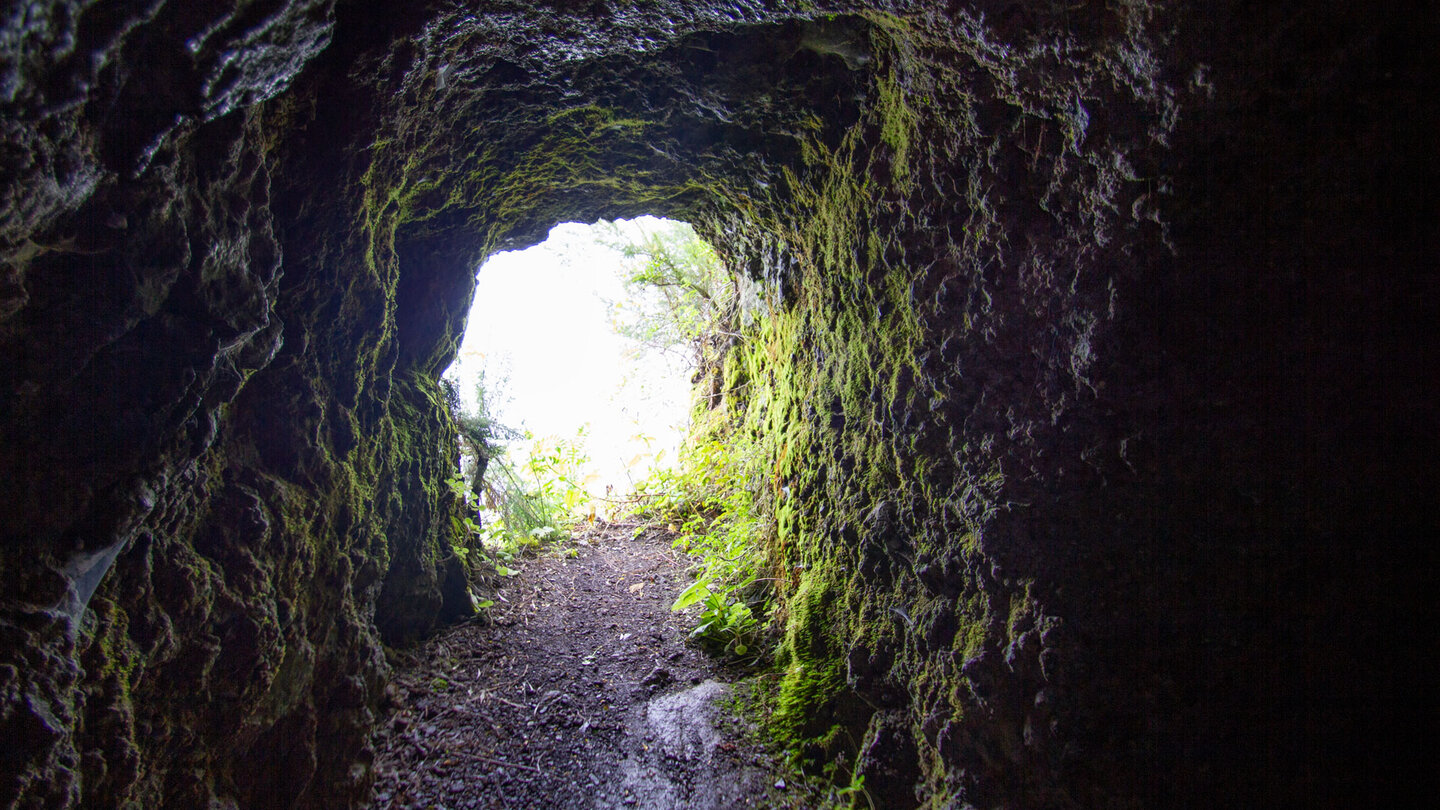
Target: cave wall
{"points": [[1087, 373], [1082, 492], [203, 384]]}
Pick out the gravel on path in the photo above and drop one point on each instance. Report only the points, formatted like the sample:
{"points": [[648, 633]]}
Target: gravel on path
{"points": [[579, 692]]}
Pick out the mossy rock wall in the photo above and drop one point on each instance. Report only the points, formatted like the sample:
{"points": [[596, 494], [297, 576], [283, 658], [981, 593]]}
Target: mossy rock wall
{"points": [[1082, 364]]}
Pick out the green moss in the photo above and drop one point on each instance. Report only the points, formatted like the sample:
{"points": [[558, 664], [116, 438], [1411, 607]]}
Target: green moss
{"points": [[802, 722], [974, 622], [898, 124], [808, 636], [117, 656], [849, 341], [735, 373]]}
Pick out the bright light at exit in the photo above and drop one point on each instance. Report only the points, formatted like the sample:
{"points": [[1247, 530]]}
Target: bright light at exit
{"points": [[540, 332]]}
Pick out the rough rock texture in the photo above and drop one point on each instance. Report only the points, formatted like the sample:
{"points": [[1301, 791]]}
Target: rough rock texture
{"points": [[1089, 369]]}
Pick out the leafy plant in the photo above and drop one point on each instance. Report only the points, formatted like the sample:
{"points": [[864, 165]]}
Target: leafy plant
{"points": [[558, 468], [508, 507], [848, 796], [482, 435], [728, 625], [709, 504], [679, 291], [465, 526]]}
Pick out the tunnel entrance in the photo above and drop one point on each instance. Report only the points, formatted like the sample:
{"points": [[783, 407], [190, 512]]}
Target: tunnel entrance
{"points": [[620, 597], [572, 389], [556, 350], [595, 674]]}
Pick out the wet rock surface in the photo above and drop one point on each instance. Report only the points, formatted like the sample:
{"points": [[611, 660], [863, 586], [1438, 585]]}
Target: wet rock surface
{"points": [[579, 691]]}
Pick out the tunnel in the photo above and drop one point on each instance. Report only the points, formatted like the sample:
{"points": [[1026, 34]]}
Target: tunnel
{"points": [[1087, 351]]}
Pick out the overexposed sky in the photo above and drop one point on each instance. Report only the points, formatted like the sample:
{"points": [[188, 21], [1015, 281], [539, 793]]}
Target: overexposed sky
{"points": [[540, 320]]}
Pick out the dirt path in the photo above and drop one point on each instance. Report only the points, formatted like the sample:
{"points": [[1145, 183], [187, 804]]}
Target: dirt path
{"points": [[580, 693]]}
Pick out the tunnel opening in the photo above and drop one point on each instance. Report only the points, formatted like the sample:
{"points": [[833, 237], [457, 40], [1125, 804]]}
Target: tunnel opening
{"points": [[640, 601], [574, 339], [576, 383]]}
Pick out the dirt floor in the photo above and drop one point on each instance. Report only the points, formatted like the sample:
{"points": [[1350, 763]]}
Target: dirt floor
{"points": [[579, 692]]}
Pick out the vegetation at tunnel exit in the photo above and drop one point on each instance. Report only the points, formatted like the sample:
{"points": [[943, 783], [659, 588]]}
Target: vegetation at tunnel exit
{"points": [[511, 502], [681, 301], [712, 510], [680, 295], [682, 298], [517, 492]]}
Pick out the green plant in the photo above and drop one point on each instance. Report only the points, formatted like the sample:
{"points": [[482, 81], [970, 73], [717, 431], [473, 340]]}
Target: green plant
{"points": [[466, 529], [680, 293], [532, 501], [520, 507], [558, 469], [848, 796], [709, 503], [482, 436], [728, 625], [522, 504]]}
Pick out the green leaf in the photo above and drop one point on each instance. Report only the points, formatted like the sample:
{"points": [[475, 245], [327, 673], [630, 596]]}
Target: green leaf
{"points": [[698, 591]]}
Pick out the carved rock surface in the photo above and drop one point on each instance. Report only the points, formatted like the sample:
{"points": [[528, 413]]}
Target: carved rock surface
{"points": [[1086, 355]]}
